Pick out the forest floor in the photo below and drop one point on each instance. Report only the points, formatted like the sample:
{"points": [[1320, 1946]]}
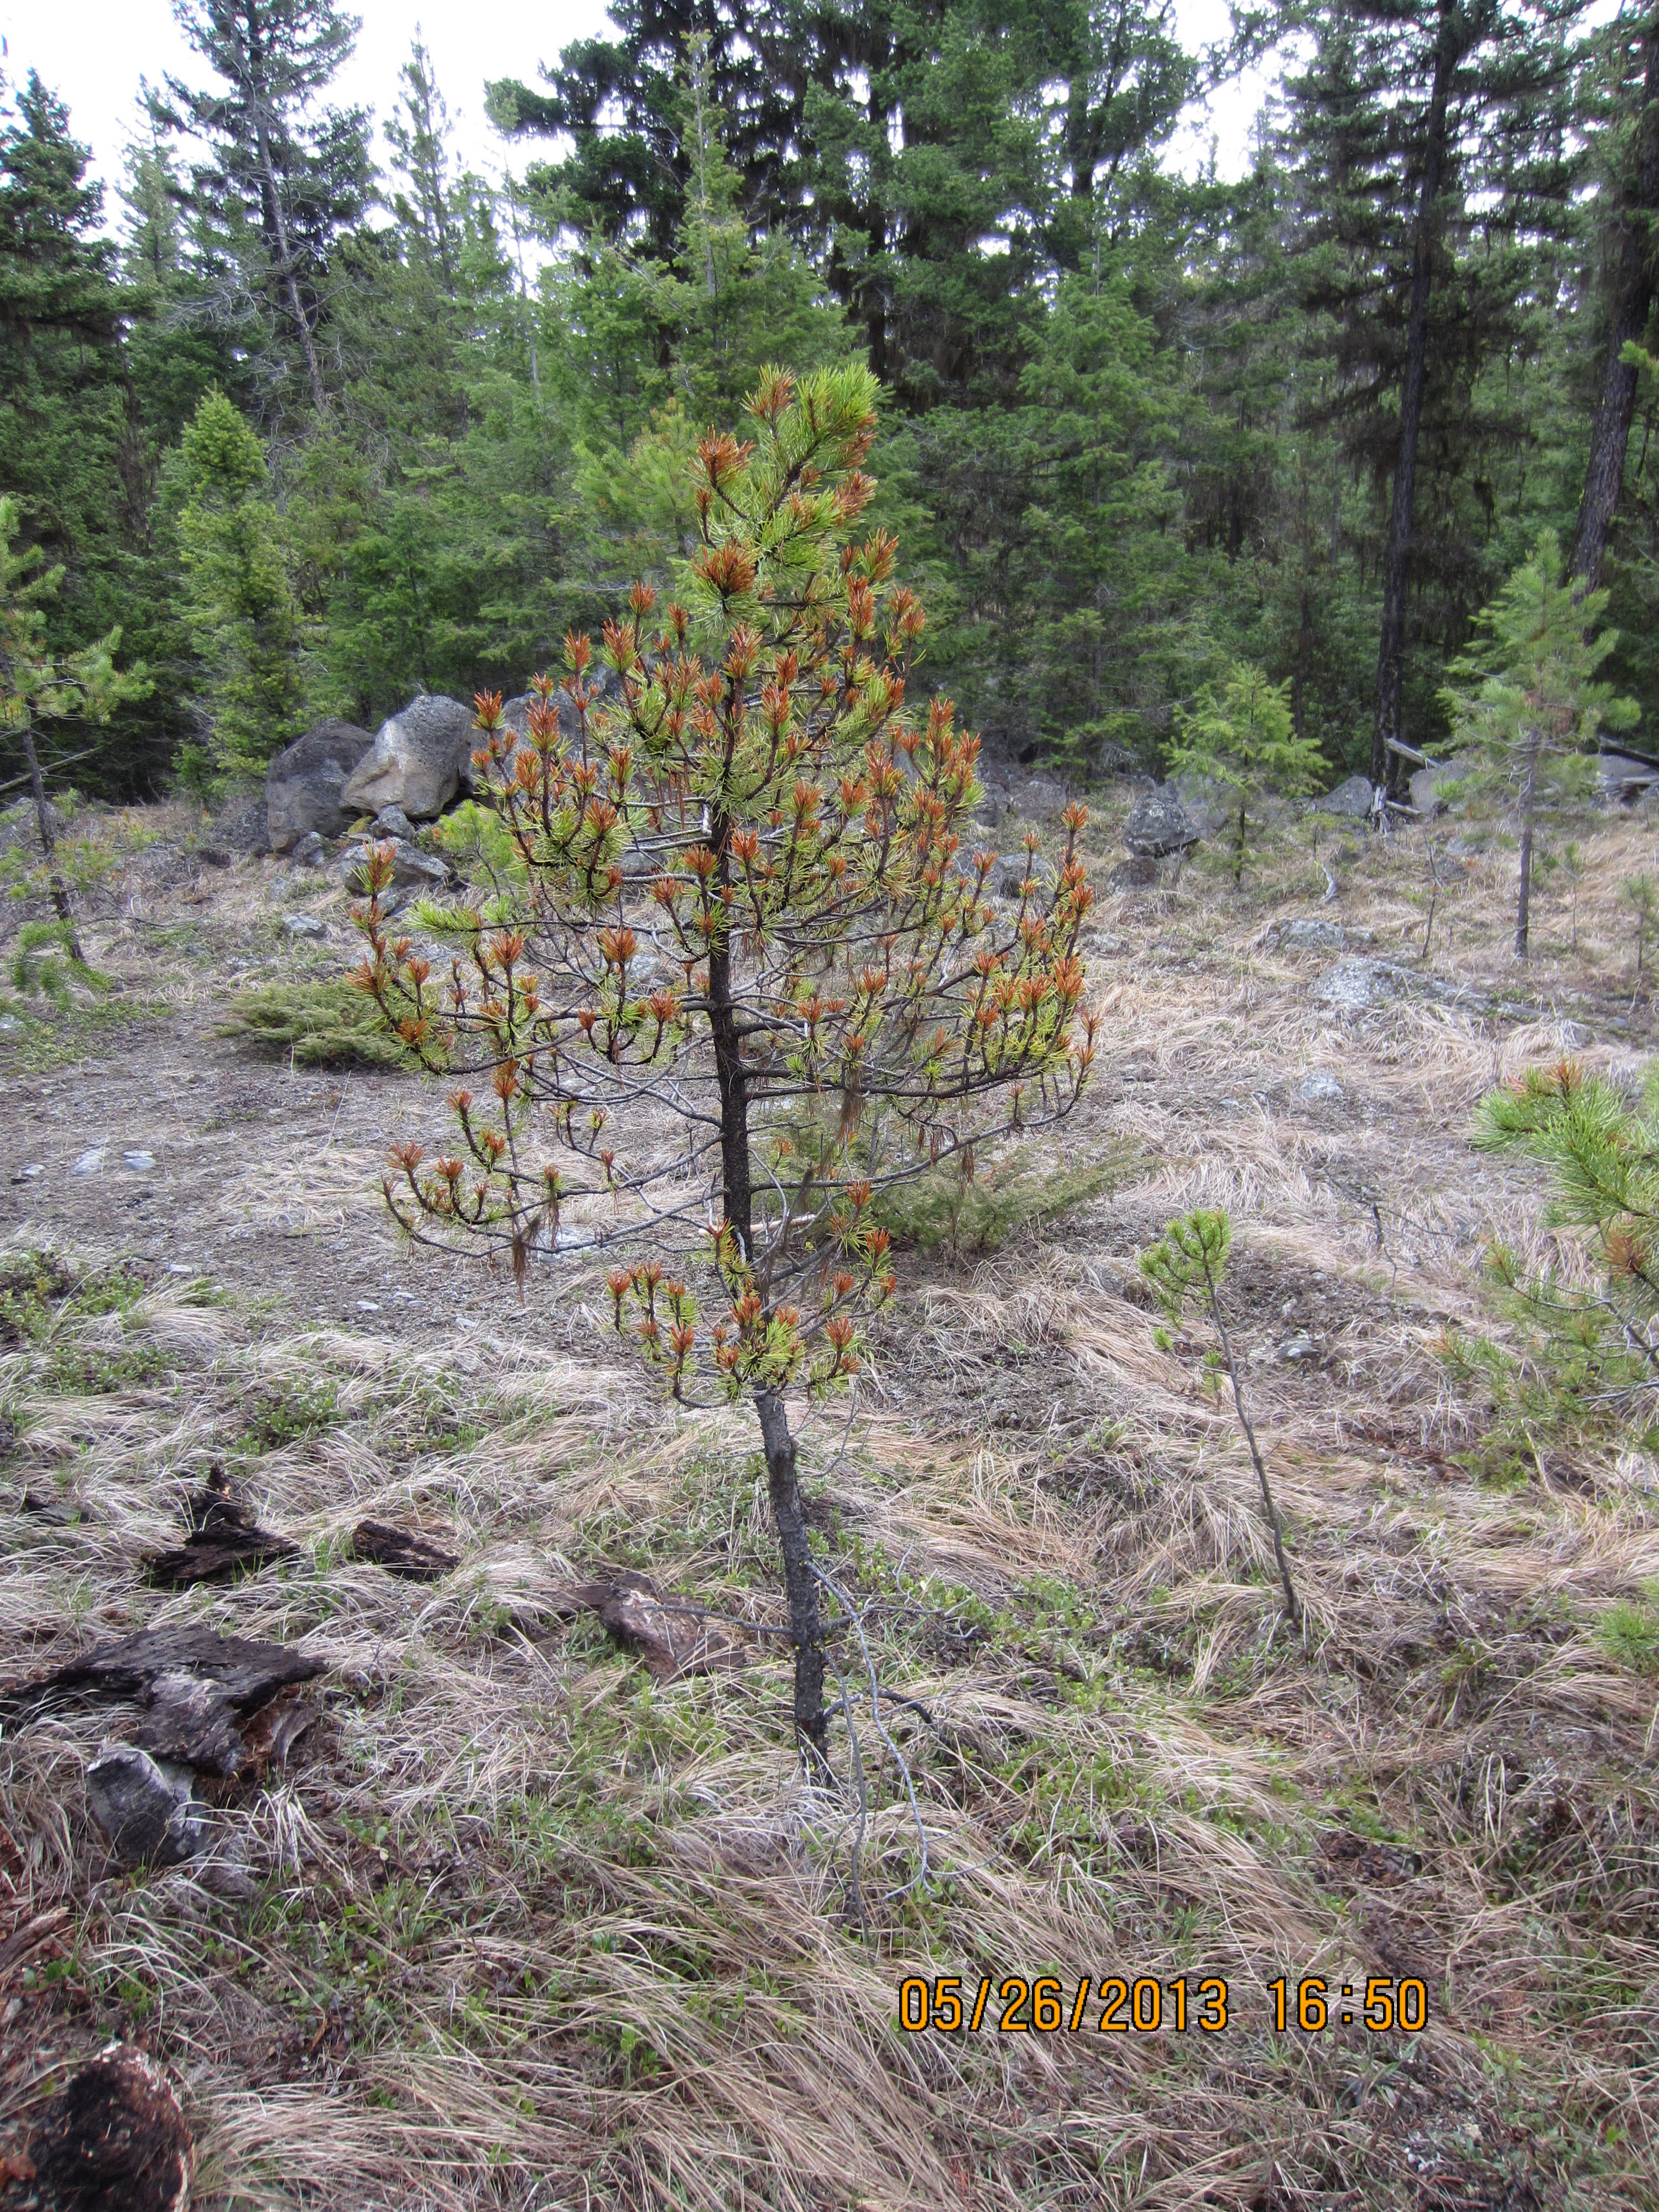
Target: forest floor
{"points": [[518, 1925]]}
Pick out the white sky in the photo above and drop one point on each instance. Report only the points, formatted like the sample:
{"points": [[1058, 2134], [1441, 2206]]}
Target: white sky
{"points": [[92, 52]]}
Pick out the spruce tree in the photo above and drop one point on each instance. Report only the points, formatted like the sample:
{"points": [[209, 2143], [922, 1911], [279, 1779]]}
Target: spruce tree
{"points": [[283, 179], [242, 609], [1246, 740], [1431, 148]]}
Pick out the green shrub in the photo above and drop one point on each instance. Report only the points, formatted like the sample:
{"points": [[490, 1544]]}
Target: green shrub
{"points": [[318, 1024], [1629, 1631], [978, 1216]]}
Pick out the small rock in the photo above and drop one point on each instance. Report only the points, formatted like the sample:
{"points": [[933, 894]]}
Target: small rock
{"points": [[1308, 933], [180, 1267], [1137, 874], [311, 852], [9, 1024], [1296, 1347], [1158, 824], [392, 822], [30, 1174], [306, 925], [1351, 800], [367, 1305], [114, 2140], [1429, 788], [1318, 1086], [144, 1806], [90, 1163], [143, 1161]]}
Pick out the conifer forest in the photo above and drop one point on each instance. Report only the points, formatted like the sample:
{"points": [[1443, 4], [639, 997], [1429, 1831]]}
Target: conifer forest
{"points": [[829, 1116]]}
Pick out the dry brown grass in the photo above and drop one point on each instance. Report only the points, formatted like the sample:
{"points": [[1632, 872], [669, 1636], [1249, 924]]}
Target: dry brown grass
{"points": [[519, 1927]]}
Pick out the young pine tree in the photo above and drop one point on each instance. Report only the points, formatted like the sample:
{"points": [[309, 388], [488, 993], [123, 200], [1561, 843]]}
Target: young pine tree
{"points": [[36, 686], [1246, 740], [1524, 701], [1187, 1263], [1602, 1158], [739, 899]]}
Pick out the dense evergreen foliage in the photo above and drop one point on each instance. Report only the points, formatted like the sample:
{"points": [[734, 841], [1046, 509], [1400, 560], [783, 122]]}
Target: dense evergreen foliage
{"points": [[315, 437]]}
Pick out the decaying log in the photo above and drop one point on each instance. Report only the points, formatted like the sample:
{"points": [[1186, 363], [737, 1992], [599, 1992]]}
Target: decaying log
{"points": [[400, 1551], [671, 1640], [222, 1537], [199, 1693]]}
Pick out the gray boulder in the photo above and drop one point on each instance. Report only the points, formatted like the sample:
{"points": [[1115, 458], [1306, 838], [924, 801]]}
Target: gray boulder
{"points": [[1350, 801], [392, 822], [1139, 873], [1305, 932], [310, 852], [304, 783], [1008, 876], [416, 761], [1625, 776], [1158, 824], [1353, 984], [1429, 788], [144, 1806], [1208, 803], [242, 824]]}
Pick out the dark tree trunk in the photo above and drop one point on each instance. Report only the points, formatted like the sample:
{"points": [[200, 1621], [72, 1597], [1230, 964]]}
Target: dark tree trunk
{"points": [[783, 1487], [1631, 289], [60, 897], [1386, 766]]}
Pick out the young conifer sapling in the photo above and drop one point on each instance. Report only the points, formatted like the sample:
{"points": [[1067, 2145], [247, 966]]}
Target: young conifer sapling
{"points": [[1187, 1263], [738, 905], [1525, 700], [1246, 740], [36, 686]]}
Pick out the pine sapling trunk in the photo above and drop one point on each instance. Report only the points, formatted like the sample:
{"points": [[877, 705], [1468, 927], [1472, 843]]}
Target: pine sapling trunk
{"points": [[60, 897], [1238, 853], [1523, 904], [783, 1488], [1292, 1604]]}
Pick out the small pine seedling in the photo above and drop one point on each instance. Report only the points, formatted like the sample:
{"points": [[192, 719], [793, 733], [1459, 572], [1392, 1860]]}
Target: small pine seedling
{"points": [[1188, 1260], [1641, 895]]}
